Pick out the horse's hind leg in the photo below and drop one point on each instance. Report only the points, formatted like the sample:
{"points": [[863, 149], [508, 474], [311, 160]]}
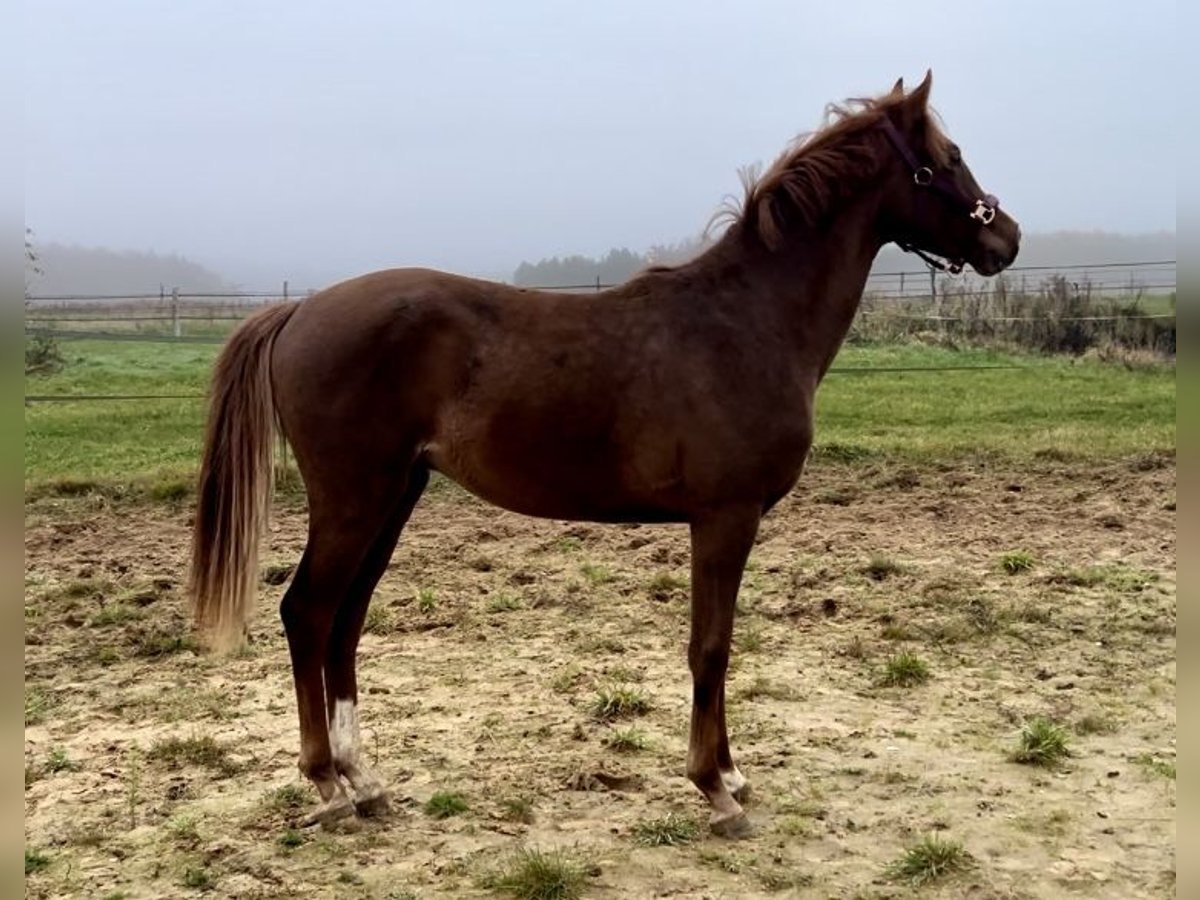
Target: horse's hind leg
{"points": [[340, 537], [341, 683]]}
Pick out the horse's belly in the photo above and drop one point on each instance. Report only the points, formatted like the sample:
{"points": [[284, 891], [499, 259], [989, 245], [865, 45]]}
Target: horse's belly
{"points": [[554, 475]]}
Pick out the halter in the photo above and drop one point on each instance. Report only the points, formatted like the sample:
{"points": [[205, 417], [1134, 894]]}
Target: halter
{"points": [[981, 209]]}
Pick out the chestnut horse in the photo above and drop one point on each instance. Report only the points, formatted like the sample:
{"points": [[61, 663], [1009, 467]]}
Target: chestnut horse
{"points": [[683, 395]]}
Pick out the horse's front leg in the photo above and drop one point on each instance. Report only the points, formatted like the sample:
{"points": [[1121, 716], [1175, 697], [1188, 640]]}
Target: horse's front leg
{"points": [[721, 542]]}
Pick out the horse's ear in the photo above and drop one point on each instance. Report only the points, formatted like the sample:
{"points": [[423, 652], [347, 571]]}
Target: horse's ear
{"points": [[919, 98], [898, 87], [914, 105]]}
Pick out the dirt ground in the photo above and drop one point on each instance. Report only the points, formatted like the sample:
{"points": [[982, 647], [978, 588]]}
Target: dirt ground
{"points": [[491, 635]]}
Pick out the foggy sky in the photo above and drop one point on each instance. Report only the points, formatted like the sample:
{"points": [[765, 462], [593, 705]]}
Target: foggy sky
{"points": [[281, 139]]}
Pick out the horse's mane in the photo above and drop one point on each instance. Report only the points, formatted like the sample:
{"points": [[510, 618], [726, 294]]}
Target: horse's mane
{"points": [[819, 168]]}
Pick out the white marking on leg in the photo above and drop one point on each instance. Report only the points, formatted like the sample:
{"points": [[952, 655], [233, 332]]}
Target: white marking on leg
{"points": [[734, 780], [344, 744]]}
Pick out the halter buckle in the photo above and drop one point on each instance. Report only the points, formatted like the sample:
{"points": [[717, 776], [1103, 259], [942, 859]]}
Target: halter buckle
{"points": [[983, 213], [923, 176]]}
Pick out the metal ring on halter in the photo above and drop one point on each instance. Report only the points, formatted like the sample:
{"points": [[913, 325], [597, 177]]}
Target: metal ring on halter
{"points": [[983, 213], [923, 176]]}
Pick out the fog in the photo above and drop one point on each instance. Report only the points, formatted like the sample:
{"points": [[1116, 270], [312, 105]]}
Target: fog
{"points": [[312, 141]]}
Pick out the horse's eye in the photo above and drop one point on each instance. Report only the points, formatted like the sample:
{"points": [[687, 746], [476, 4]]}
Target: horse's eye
{"points": [[955, 155]]}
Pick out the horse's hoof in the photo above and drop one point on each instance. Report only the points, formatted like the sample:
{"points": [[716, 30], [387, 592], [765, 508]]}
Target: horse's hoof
{"points": [[733, 827], [329, 814], [370, 807]]}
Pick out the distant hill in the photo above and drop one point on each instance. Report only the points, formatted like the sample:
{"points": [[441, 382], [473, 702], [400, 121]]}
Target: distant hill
{"points": [[68, 269], [1066, 248]]}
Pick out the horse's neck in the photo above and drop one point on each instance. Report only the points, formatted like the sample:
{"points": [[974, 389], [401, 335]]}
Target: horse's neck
{"points": [[812, 285]]}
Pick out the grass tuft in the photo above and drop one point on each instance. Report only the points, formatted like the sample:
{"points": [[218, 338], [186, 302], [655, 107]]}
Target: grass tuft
{"points": [[1042, 743], [115, 614], [1156, 766], [663, 585], [427, 600], [58, 761], [904, 670], [288, 798], [291, 839], [379, 620], [35, 861], [1016, 561], [617, 701], [880, 567], [38, 704], [671, 830], [176, 752], [597, 574], [627, 740], [445, 804], [198, 878], [517, 809], [504, 602], [930, 859], [531, 874]]}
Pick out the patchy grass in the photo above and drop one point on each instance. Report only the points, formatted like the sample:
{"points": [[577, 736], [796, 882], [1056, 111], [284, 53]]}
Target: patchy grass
{"points": [[982, 616], [289, 798], [198, 878], [379, 620], [1096, 410], [38, 704], [749, 639], [445, 804], [58, 761], [204, 752], [837, 496], [504, 602], [427, 600], [1094, 723], [672, 830], [1119, 578], [157, 644], [617, 701], [568, 679], [169, 489], [627, 740], [597, 574], [517, 809], [880, 567], [930, 859], [532, 874], [184, 832], [897, 631], [904, 670], [35, 861], [1016, 561], [663, 585], [1042, 743], [762, 686], [1155, 766], [116, 614], [291, 839]]}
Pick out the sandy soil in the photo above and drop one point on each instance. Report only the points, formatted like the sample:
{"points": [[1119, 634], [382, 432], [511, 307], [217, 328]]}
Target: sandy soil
{"points": [[491, 634]]}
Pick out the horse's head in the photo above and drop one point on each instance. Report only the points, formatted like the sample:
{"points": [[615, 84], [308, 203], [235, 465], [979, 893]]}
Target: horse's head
{"points": [[932, 203]]}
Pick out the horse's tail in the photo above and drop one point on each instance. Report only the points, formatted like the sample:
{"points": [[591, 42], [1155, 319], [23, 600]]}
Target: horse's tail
{"points": [[234, 490]]}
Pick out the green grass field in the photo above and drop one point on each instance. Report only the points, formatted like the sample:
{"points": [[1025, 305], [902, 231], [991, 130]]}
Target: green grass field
{"points": [[1051, 405]]}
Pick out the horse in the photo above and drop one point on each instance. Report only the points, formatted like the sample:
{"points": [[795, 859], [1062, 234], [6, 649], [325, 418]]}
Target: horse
{"points": [[684, 395]]}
